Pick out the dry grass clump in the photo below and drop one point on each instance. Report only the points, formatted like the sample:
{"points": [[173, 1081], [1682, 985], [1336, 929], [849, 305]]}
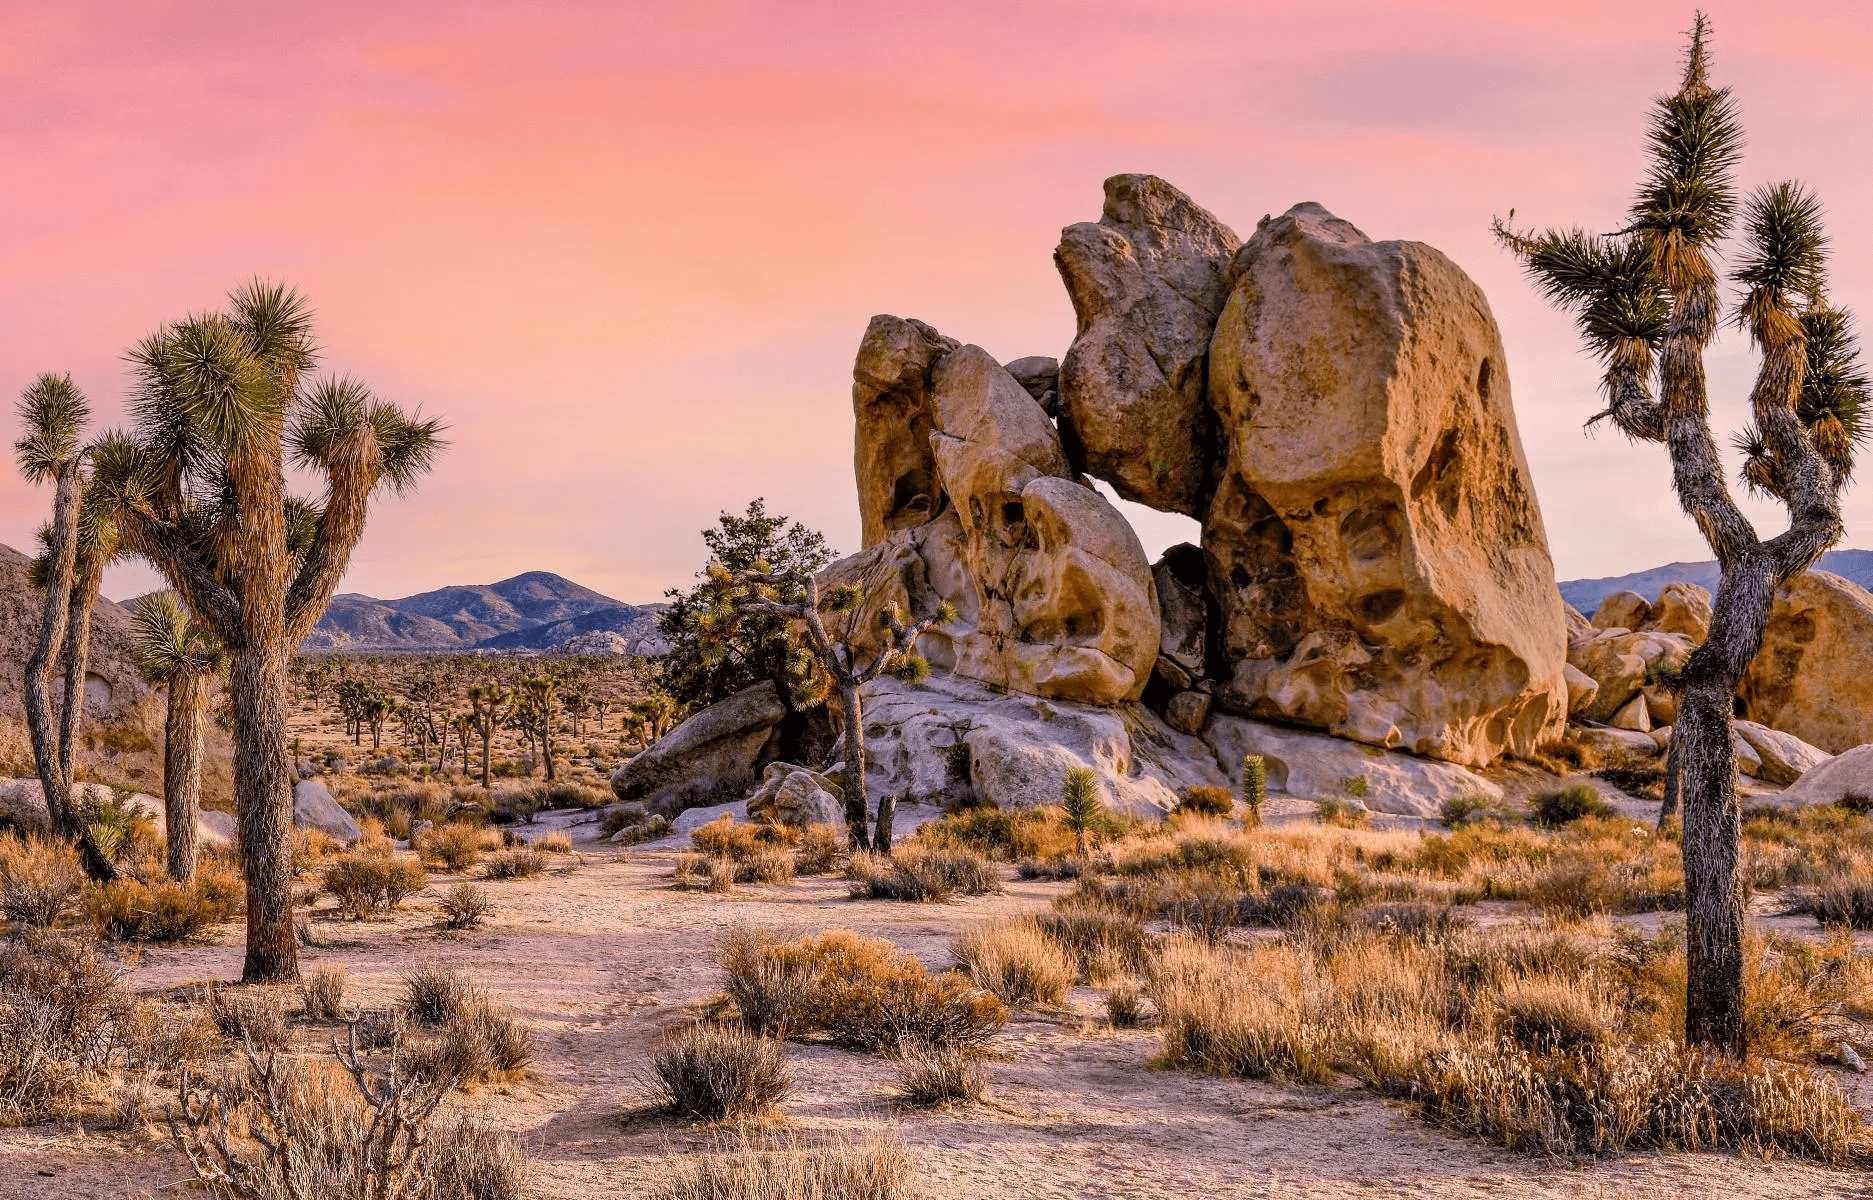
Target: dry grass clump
{"points": [[277, 1127], [252, 1016], [861, 993], [871, 1168], [1104, 945], [366, 883], [62, 1011], [1562, 806], [129, 910], [706, 873], [1038, 834], [716, 1072], [434, 994], [1533, 1039], [556, 842], [922, 873], [463, 906], [1018, 962], [818, 851], [39, 881], [515, 862], [475, 1041], [456, 845], [1205, 800], [322, 995], [1125, 1005], [939, 1078]]}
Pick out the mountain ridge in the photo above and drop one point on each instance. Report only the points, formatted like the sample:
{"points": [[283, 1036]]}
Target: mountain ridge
{"points": [[1585, 594], [535, 610]]}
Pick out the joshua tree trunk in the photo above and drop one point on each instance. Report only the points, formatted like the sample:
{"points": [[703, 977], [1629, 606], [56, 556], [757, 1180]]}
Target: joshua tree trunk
{"points": [[263, 785], [1674, 783], [546, 744], [855, 766], [77, 662], [487, 740], [887, 811], [182, 770]]}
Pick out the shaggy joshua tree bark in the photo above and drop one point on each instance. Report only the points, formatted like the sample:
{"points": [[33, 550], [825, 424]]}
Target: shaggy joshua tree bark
{"points": [[53, 412], [795, 595], [176, 654], [485, 704], [1646, 299], [222, 400]]}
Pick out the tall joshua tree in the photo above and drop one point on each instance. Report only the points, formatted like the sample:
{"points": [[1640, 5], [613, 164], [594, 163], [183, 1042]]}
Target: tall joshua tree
{"points": [[223, 400], [539, 692], [1647, 302], [795, 595], [486, 705], [176, 654], [53, 413]]}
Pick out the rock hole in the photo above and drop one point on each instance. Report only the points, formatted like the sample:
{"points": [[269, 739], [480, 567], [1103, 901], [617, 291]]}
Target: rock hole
{"points": [[1379, 607], [1370, 531], [1485, 377]]}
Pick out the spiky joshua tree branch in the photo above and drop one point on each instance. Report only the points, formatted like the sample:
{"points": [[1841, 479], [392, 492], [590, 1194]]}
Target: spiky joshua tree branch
{"points": [[1646, 300]]}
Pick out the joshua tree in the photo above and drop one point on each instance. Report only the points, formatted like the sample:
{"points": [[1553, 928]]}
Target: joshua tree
{"points": [[175, 653], [1254, 786], [463, 724], [223, 400], [538, 691], [54, 412], [577, 702], [1079, 803], [795, 595], [377, 707], [487, 703], [1646, 300]]}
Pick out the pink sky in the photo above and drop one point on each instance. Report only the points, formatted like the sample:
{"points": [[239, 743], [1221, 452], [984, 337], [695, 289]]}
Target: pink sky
{"points": [[627, 249]]}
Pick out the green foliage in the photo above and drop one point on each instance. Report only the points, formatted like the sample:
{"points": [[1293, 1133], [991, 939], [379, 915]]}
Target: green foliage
{"points": [[1079, 803], [1566, 805], [52, 411], [703, 666], [1254, 786]]}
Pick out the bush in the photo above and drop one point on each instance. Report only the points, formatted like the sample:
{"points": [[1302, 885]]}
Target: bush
{"points": [[1103, 945], [435, 995], [1563, 806], [818, 851], [872, 1169], [1205, 800], [938, 1078], [1465, 810], [713, 1072], [555, 842], [1017, 962], [469, 1161], [1343, 811], [1124, 1006], [708, 873], [921, 874], [1843, 900], [723, 838], [39, 882], [476, 1044], [60, 1007], [365, 883], [463, 907], [456, 846], [126, 910], [252, 1016], [862, 993], [322, 995], [517, 862]]}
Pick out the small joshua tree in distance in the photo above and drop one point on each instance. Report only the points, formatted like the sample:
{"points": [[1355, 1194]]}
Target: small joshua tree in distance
{"points": [[1079, 803], [1254, 787]]}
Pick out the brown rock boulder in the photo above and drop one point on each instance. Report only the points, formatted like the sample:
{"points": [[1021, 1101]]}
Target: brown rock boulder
{"points": [[712, 755], [1682, 608], [1147, 281], [1622, 610], [891, 406], [1814, 675], [1375, 543]]}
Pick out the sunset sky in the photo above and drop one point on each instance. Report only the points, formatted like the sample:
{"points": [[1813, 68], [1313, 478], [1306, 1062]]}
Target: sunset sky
{"points": [[627, 249]]}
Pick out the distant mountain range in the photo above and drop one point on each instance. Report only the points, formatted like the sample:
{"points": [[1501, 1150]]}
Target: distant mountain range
{"points": [[535, 611], [1585, 594]]}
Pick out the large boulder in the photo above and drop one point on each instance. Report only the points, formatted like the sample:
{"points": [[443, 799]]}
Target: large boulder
{"points": [[1847, 776], [713, 754], [1147, 281], [1622, 610], [1681, 608], [1182, 606], [316, 808], [1374, 544], [797, 796], [1313, 766], [1053, 592], [1814, 675], [1781, 757], [1619, 661]]}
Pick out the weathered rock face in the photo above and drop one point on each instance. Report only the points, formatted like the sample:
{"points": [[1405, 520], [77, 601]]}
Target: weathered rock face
{"points": [[1147, 281], [1053, 592], [1848, 775], [314, 807], [1313, 766], [1781, 757], [1814, 675], [1622, 610], [1681, 608], [715, 752], [797, 796], [1374, 543]]}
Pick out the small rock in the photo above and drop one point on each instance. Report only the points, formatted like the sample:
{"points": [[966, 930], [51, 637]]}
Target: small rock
{"points": [[1850, 1058], [1188, 712], [1622, 610], [1634, 716]]}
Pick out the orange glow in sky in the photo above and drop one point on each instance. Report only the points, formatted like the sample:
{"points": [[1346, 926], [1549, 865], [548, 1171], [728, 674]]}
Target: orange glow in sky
{"points": [[627, 249]]}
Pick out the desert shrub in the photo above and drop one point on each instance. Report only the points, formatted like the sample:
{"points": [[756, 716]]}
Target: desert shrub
{"points": [[1205, 800], [862, 993], [1343, 811], [724, 838], [253, 1016], [322, 994], [1636, 776], [713, 1072], [476, 1044], [469, 1161], [435, 994], [555, 842], [1843, 899], [938, 1078], [39, 881], [922, 874], [364, 883], [311, 847], [463, 906], [648, 830], [127, 910], [1125, 1006], [770, 864], [1103, 944], [625, 816], [1466, 810], [1564, 805], [818, 851], [60, 1007], [515, 862], [457, 846], [1017, 962], [876, 1168], [706, 873]]}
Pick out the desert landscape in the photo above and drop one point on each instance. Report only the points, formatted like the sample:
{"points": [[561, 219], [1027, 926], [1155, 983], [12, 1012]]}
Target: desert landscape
{"points": [[1337, 849]]}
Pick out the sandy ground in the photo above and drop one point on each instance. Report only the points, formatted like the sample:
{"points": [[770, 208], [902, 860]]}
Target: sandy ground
{"points": [[602, 954]]}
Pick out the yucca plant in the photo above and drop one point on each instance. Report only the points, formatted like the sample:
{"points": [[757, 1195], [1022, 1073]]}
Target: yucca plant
{"points": [[540, 691], [1646, 302], [53, 413], [175, 653], [487, 705], [1254, 786], [1079, 804], [222, 402]]}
